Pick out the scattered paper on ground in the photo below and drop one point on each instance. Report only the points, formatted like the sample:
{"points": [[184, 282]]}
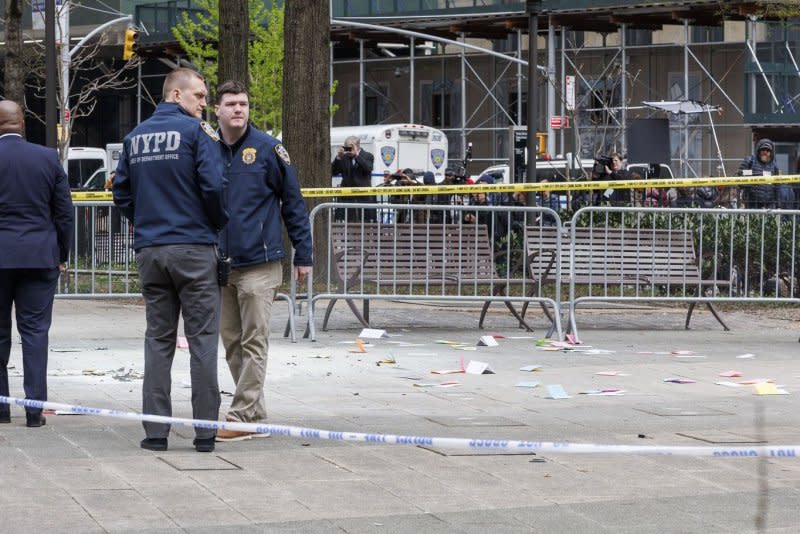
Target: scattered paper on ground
{"points": [[756, 381], [729, 384], [530, 368], [731, 374], [448, 384], [603, 392], [526, 384], [321, 356], [389, 360], [451, 371], [746, 356], [64, 350], [556, 391], [475, 367], [611, 373], [372, 333], [487, 341], [766, 388], [679, 380], [359, 347]]}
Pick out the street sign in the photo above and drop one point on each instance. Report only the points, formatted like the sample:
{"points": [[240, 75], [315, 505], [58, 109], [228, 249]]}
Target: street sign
{"points": [[569, 92], [558, 122]]}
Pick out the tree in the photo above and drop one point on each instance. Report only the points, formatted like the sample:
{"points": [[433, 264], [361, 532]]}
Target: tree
{"points": [[198, 35], [234, 38], [306, 89], [89, 74], [14, 77]]}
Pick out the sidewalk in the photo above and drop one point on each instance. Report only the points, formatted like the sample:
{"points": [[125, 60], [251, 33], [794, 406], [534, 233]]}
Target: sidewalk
{"points": [[88, 474]]}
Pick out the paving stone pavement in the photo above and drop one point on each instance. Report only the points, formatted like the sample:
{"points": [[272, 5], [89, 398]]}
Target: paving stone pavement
{"points": [[88, 474]]}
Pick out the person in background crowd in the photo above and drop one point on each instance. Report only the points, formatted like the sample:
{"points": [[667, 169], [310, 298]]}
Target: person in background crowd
{"points": [[35, 234], [355, 166], [615, 197], [263, 192], [762, 163], [170, 186]]}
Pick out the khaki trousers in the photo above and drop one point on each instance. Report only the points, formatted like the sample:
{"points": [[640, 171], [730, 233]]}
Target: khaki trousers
{"points": [[246, 310]]}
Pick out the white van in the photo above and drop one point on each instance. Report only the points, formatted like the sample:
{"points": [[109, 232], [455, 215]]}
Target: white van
{"points": [[396, 147], [89, 168], [552, 170]]}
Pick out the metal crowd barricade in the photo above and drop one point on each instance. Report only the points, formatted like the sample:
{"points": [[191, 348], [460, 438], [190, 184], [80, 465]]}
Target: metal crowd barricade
{"points": [[690, 255], [438, 252], [102, 263]]}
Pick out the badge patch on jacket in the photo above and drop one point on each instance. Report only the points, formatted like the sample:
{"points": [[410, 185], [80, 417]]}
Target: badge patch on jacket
{"points": [[249, 155], [283, 154], [207, 128]]}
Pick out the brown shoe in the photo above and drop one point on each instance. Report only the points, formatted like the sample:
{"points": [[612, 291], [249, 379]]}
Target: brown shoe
{"points": [[233, 435]]}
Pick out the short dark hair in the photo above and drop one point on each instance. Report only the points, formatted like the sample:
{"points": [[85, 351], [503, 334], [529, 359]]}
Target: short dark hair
{"points": [[231, 87]]}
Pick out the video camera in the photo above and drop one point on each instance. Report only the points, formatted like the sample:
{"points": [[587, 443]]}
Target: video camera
{"points": [[600, 164]]}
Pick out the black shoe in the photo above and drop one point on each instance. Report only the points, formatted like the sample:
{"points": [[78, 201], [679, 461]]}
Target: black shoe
{"points": [[5, 417], [154, 444], [34, 420], [204, 444]]}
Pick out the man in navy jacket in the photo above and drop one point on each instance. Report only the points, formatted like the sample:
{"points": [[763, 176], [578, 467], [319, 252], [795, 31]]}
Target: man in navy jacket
{"points": [[35, 233], [169, 184], [263, 190]]}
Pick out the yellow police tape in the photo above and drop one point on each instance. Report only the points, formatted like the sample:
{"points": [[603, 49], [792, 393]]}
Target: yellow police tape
{"points": [[330, 192]]}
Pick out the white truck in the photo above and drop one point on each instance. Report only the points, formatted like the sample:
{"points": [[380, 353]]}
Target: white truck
{"points": [[396, 147], [89, 168]]}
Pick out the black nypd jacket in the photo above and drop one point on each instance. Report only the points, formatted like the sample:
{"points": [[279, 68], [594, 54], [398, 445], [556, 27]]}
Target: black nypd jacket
{"points": [[169, 181], [262, 189]]}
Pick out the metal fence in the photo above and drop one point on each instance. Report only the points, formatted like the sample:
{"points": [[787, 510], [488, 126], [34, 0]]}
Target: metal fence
{"points": [[669, 255], [510, 255], [102, 262], [445, 253]]}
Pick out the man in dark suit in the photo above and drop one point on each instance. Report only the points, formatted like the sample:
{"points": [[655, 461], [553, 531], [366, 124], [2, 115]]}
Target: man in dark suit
{"points": [[355, 166], [35, 232]]}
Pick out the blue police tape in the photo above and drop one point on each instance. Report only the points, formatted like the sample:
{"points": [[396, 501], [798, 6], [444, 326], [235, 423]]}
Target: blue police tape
{"points": [[781, 451]]}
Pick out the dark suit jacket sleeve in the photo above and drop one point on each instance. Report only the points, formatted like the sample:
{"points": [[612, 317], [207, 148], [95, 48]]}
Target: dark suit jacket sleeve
{"points": [[365, 161], [63, 215]]}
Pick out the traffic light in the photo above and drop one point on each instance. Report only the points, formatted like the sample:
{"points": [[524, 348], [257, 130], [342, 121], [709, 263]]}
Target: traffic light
{"points": [[129, 46]]}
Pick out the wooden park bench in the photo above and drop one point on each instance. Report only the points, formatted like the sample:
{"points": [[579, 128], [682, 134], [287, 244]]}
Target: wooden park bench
{"points": [[617, 264], [413, 261]]}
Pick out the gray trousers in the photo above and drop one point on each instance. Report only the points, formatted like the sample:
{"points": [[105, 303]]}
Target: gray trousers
{"points": [[180, 279]]}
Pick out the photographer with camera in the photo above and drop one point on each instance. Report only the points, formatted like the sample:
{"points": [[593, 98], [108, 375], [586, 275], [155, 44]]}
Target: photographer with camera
{"points": [[397, 179], [612, 170], [355, 166]]}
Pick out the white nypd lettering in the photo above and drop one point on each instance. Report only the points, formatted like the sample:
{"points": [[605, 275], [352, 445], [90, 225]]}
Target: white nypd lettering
{"points": [[154, 143]]}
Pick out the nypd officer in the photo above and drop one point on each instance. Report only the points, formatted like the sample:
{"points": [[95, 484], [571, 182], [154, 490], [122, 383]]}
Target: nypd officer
{"points": [[35, 233], [169, 184], [263, 197]]}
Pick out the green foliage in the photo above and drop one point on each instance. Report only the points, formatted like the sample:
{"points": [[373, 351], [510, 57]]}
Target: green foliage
{"points": [[761, 245], [198, 34]]}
